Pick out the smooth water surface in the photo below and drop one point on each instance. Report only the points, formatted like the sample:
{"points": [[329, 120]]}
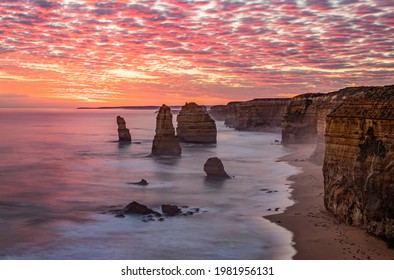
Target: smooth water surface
{"points": [[61, 171]]}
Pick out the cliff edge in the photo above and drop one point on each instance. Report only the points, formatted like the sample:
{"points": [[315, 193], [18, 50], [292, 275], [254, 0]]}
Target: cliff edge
{"points": [[358, 164]]}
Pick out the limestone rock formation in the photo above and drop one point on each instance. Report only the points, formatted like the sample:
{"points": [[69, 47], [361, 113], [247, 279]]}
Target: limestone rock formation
{"points": [[359, 161], [165, 143], [304, 121], [123, 131], [215, 169], [218, 112], [262, 114], [195, 125]]}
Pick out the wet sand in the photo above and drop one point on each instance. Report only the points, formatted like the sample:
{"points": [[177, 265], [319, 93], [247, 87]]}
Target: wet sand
{"points": [[317, 234]]}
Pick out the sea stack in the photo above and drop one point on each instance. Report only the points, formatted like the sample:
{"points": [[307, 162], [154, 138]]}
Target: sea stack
{"points": [[165, 143], [359, 161], [215, 169], [195, 125], [123, 132]]}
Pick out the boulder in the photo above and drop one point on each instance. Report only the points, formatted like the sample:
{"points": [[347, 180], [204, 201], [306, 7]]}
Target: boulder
{"points": [[165, 143], [215, 169], [123, 131], [170, 210], [195, 125], [137, 208]]}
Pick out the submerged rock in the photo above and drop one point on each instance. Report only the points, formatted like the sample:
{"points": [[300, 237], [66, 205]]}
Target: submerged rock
{"points": [[170, 210], [215, 169], [195, 125], [138, 208], [165, 143], [123, 131], [143, 182]]}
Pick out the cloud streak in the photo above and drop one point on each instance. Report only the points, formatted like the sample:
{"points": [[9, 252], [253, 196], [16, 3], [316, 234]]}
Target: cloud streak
{"points": [[117, 51]]}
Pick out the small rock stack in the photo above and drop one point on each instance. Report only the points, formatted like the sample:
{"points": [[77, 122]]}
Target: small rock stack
{"points": [[123, 131]]}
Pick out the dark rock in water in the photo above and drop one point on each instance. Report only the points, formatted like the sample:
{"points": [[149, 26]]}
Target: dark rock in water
{"points": [[123, 131], [161, 219], [170, 210], [165, 143], [137, 208], [143, 182], [120, 216], [215, 169]]}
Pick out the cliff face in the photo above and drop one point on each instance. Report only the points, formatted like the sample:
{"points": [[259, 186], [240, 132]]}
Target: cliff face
{"points": [[218, 112], [359, 161], [165, 143], [257, 114], [300, 119], [195, 125]]}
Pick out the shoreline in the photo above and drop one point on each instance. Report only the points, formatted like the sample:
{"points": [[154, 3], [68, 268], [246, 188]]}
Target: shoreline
{"points": [[317, 235]]}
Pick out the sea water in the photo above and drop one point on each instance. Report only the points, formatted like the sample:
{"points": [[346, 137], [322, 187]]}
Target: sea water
{"points": [[62, 171]]}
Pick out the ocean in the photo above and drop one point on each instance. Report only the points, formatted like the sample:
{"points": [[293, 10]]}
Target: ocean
{"points": [[62, 172]]}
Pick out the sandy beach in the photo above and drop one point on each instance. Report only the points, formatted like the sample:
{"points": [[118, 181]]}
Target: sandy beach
{"points": [[317, 234]]}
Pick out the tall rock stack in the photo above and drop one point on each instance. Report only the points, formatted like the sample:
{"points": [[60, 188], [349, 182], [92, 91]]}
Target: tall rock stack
{"points": [[195, 125], [359, 161], [165, 143], [123, 131]]}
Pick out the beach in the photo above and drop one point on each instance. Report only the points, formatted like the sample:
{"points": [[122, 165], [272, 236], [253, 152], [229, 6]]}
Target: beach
{"points": [[317, 234]]}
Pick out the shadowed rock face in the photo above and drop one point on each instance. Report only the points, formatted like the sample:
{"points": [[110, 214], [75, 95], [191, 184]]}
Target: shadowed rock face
{"points": [[218, 112], [123, 131], [165, 143], [359, 161], [263, 114], [215, 169], [195, 125]]}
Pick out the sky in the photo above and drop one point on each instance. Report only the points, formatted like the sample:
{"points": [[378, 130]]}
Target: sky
{"points": [[69, 53]]}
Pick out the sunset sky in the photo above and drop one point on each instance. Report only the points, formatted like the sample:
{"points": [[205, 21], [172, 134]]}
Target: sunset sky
{"points": [[70, 53]]}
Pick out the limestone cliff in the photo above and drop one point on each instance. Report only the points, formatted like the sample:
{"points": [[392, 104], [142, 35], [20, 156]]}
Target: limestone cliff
{"points": [[123, 131], [262, 114], [195, 125], [218, 112], [165, 143], [300, 119], [359, 161]]}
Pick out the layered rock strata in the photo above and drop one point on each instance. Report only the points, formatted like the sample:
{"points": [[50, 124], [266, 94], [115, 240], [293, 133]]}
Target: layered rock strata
{"points": [[218, 112], [123, 131], [195, 125], [215, 169], [165, 143], [359, 161], [263, 114]]}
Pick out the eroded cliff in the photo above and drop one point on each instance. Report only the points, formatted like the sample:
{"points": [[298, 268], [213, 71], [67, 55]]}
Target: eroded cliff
{"points": [[262, 114], [359, 161]]}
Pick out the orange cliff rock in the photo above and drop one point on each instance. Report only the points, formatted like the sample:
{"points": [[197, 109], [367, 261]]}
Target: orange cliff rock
{"points": [[359, 161], [165, 143]]}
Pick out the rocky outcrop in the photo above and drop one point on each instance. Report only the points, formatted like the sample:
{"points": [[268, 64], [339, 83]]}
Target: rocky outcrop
{"points": [[123, 131], [165, 143], [263, 114], [195, 125], [218, 112], [300, 119], [138, 208], [170, 210], [304, 121], [359, 161], [215, 169]]}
